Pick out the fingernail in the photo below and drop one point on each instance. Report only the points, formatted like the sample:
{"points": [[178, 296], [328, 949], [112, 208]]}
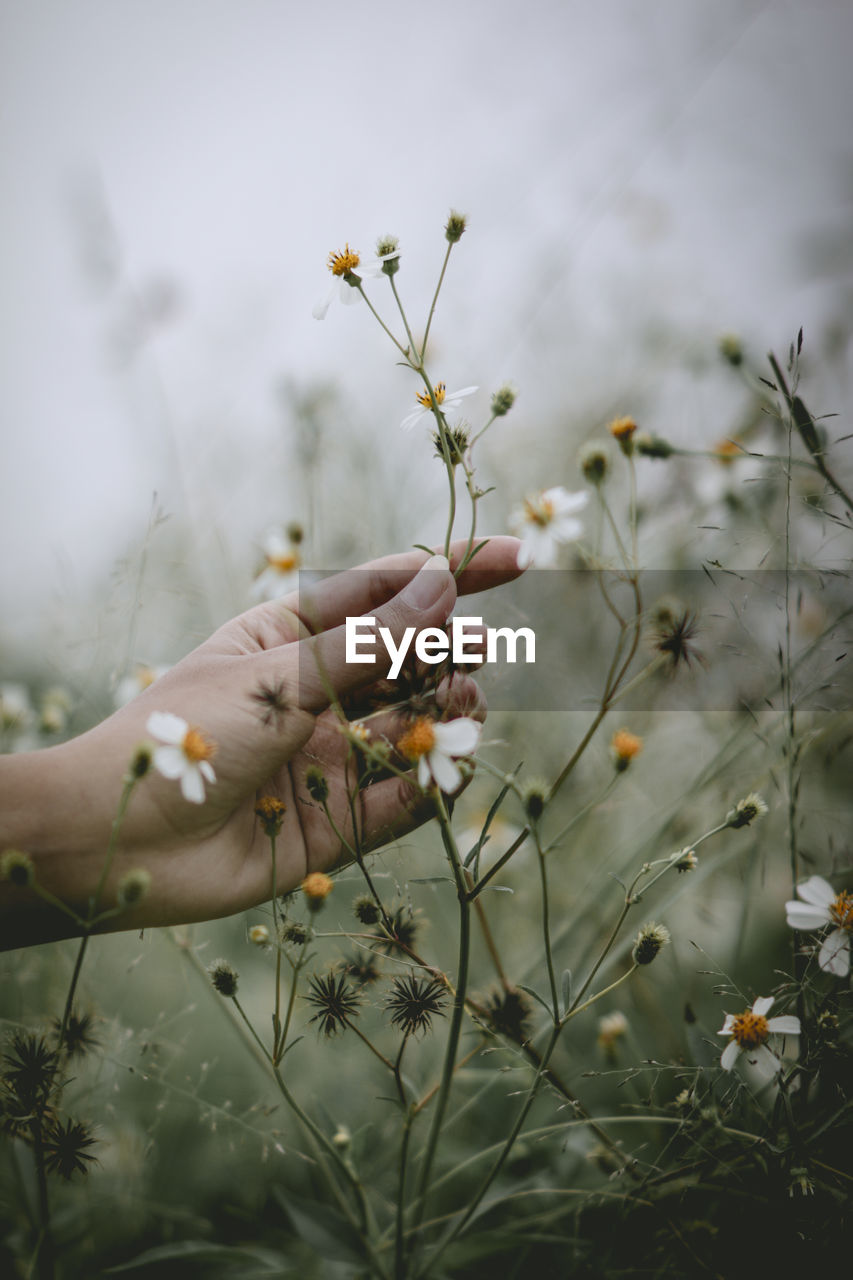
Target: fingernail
{"points": [[427, 585]]}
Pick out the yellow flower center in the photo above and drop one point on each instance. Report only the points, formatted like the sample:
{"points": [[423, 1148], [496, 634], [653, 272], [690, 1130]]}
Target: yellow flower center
{"points": [[196, 747], [539, 511], [340, 264], [317, 886], [622, 428], [270, 808], [625, 745], [841, 910], [749, 1030], [727, 450], [419, 740], [423, 396], [283, 563]]}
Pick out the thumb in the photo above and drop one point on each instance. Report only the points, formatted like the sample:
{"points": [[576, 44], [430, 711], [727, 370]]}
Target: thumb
{"points": [[324, 673]]}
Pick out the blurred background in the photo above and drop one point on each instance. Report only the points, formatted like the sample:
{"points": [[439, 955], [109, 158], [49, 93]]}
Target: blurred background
{"points": [[639, 178]]}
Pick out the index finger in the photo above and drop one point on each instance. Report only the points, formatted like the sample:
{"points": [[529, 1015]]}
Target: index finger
{"points": [[358, 591]]}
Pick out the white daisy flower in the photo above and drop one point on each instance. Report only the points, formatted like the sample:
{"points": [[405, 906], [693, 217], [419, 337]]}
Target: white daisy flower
{"points": [[140, 678], [186, 754], [447, 401], [347, 266], [748, 1033], [820, 906], [543, 522], [433, 746], [281, 571]]}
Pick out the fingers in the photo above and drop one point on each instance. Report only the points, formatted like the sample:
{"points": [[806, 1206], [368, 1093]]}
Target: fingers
{"points": [[361, 590], [325, 668]]}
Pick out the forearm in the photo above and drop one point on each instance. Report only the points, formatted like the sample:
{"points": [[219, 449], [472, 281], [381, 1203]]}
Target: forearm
{"points": [[51, 809]]}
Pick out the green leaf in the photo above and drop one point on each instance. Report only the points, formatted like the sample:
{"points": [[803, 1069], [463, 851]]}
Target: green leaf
{"points": [[536, 996], [324, 1230]]}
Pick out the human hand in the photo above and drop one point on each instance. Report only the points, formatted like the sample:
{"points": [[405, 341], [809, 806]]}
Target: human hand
{"points": [[260, 690]]}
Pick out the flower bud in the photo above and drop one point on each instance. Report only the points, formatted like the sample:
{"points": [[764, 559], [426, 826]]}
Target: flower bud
{"points": [[18, 868], [731, 349], [650, 940], [746, 811], [503, 400], [594, 462], [650, 446], [534, 798], [455, 227], [133, 887], [318, 787]]}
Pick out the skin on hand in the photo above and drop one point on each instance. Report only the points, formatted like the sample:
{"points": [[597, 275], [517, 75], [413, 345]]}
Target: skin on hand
{"points": [[260, 687]]}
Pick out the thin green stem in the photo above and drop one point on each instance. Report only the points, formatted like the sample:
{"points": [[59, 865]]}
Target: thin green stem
{"points": [[458, 1007], [435, 300]]}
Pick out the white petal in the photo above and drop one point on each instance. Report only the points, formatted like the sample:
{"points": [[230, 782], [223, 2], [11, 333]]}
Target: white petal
{"points": [[424, 775], [564, 503], [834, 954], [766, 1062], [413, 417], [192, 786], [349, 294], [166, 727], [170, 761], [445, 772], [453, 396], [817, 891], [761, 1005], [785, 1025], [457, 737], [801, 915], [319, 311], [731, 1053], [566, 529], [727, 1025], [524, 557], [207, 770]]}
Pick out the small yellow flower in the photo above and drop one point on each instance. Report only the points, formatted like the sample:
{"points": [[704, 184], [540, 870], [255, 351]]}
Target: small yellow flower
{"points": [[622, 428], [317, 886], [727, 450], [624, 746], [271, 812]]}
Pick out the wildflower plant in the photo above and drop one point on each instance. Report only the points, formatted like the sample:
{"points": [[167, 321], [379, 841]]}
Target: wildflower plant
{"points": [[437, 1056]]}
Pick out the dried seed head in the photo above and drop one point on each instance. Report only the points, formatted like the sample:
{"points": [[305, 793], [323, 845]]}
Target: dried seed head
{"points": [[141, 761], [365, 909], [224, 977], [650, 940], [294, 933], [746, 811]]}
